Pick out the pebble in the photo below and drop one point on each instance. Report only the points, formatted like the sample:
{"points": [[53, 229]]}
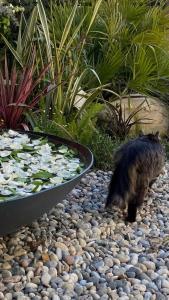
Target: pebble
{"points": [[55, 297], [123, 258], [8, 296], [6, 266], [62, 246], [6, 274], [140, 287], [20, 252], [73, 277], [165, 283], [78, 289], [46, 279], [31, 287], [147, 296], [59, 253], [69, 259], [134, 258], [150, 265]]}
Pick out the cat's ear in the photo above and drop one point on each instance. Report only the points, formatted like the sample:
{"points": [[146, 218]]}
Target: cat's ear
{"points": [[157, 134], [141, 133]]}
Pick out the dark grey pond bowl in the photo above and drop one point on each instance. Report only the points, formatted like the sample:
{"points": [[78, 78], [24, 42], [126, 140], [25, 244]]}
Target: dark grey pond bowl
{"points": [[22, 211]]}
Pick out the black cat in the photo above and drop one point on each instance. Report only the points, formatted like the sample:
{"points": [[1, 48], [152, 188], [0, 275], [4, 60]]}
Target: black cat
{"points": [[137, 165]]}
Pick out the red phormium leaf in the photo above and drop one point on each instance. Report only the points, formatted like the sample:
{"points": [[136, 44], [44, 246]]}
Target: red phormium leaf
{"points": [[16, 88]]}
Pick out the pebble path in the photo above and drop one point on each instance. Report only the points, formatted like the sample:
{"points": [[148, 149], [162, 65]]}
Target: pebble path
{"points": [[79, 251]]}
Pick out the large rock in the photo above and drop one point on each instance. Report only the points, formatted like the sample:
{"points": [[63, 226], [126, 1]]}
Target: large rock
{"points": [[152, 109]]}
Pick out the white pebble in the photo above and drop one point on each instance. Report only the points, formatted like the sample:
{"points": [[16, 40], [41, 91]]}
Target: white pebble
{"points": [[140, 287], [45, 279], [165, 283]]}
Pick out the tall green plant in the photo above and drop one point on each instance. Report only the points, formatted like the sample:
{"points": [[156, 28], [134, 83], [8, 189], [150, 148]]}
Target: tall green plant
{"points": [[65, 50], [26, 35]]}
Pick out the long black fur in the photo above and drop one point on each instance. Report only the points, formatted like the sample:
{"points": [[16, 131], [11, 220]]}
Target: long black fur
{"points": [[137, 165]]}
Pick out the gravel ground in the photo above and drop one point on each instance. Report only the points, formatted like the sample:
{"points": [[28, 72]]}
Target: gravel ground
{"points": [[79, 251]]}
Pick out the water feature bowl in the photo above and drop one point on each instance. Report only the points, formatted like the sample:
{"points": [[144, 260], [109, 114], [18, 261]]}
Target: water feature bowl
{"points": [[18, 212]]}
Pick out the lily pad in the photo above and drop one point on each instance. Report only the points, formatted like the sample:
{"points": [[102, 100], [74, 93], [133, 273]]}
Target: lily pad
{"points": [[42, 175], [29, 165]]}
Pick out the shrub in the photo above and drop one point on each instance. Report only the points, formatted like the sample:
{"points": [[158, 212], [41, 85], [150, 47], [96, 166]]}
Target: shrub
{"points": [[103, 147], [113, 120]]}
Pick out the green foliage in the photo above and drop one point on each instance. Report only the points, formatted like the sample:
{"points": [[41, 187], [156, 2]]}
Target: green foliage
{"points": [[129, 46], [83, 128], [165, 143], [25, 39], [80, 129], [64, 48], [9, 23], [126, 44], [103, 148], [27, 5]]}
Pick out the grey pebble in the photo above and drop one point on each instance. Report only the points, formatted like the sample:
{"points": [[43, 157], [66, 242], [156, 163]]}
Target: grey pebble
{"points": [[152, 286], [160, 296], [78, 289], [147, 296], [104, 297], [6, 274], [131, 274]]}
